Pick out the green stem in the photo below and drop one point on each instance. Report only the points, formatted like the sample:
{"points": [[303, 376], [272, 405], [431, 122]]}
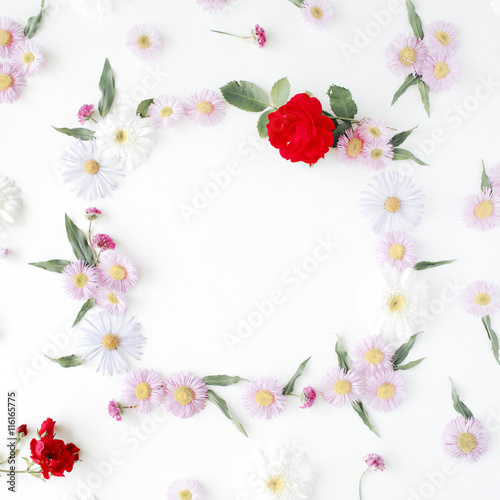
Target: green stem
{"points": [[96, 258], [230, 34], [360, 480], [22, 471], [346, 119]]}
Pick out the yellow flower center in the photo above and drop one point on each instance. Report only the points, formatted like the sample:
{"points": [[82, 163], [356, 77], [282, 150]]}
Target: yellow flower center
{"points": [[316, 12], [354, 147], [184, 395], [374, 356], [166, 111], [397, 251], [118, 273], [386, 391], [376, 153], [113, 298], [392, 205], [205, 107], [143, 391], [342, 387], [443, 37], [91, 167], [407, 56], [6, 81], [28, 58], [80, 280], [396, 303], [110, 341], [374, 131], [264, 398], [482, 299], [185, 495], [484, 209], [441, 70], [121, 136], [275, 484], [5, 38], [144, 42], [466, 442]]}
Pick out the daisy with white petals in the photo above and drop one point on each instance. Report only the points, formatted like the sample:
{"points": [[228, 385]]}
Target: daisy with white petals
{"points": [[369, 129], [340, 388], [372, 355], [143, 389], [397, 249], [482, 298], [94, 8], [165, 111], [185, 489], [206, 108], [111, 301], [144, 41], [80, 280], [385, 391], [10, 201], [117, 272], [377, 154], [317, 13], [440, 72], [442, 37], [28, 57]]}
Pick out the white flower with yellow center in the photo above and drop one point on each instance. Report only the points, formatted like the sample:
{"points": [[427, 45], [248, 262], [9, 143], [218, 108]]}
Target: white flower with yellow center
{"points": [[10, 201], [317, 13]]}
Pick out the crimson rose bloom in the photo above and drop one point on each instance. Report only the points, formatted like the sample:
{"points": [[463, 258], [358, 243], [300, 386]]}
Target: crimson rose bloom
{"points": [[54, 456], [300, 131]]}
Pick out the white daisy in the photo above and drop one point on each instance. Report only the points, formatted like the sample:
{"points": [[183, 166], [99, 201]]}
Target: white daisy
{"points": [[94, 8], [144, 41], [317, 13], [10, 201], [125, 135], [28, 57], [165, 111]]}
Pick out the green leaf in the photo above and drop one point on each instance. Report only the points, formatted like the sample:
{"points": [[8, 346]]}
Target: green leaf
{"points": [[222, 405], [339, 130], [67, 361], [280, 92], [262, 123], [245, 95], [342, 355], [222, 380], [403, 351], [415, 21], [107, 88], [403, 154], [398, 139], [28, 463], [79, 133], [34, 22], [360, 410], [298, 3], [84, 310], [410, 81], [288, 389], [460, 407], [79, 242], [420, 266], [341, 102], [143, 108], [424, 95], [485, 180], [56, 265], [409, 365], [492, 336]]}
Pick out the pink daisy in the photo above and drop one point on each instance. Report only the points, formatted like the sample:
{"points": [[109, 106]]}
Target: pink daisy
{"points": [[465, 439], [385, 391], [185, 489], [186, 394], [397, 249], [144, 41], [482, 298], [143, 389], [111, 301], [339, 388], [350, 147], [28, 57], [79, 280], [165, 111], [11, 82], [406, 55], [317, 13], [440, 72], [115, 410], [264, 398], [213, 5], [205, 108], [372, 355], [308, 397], [442, 37], [369, 129], [482, 211], [85, 113], [377, 154], [117, 272], [11, 34], [494, 176]]}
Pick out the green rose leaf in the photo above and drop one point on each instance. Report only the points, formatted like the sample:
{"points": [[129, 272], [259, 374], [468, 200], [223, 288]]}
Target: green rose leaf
{"points": [[79, 133], [67, 361], [340, 129], [409, 82], [262, 123], [403, 154], [415, 21], [222, 380], [492, 336], [409, 365], [342, 355], [34, 22], [280, 92], [424, 95], [107, 88], [360, 410], [341, 102], [288, 389], [398, 139], [485, 180], [222, 405], [245, 95], [420, 266], [79, 242], [460, 407], [403, 351], [55, 266], [143, 108], [84, 310]]}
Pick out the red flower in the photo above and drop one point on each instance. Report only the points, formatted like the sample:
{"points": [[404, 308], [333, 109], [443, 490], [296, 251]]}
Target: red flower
{"points": [[300, 131], [47, 428], [22, 429]]}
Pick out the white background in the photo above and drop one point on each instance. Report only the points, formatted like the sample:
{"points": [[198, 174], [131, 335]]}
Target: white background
{"points": [[199, 277]]}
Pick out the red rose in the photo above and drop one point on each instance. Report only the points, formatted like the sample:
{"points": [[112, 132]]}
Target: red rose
{"points": [[47, 428], [300, 131], [22, 429]]}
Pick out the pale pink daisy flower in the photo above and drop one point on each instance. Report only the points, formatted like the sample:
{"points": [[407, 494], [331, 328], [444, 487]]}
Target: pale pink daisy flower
{"points": [[186, 394], [11, 82], [165, 111], [264, 398], [115, 410], [28, 57], [482, 211], [85, 113], [369, 129], [143, 389], [442, 37], [385, 391], [374, 462], [80, 280], [482, 298], [213, 5], [11, 34], [185, 489], [350, 147], [372, 355], [397, 249], [111, 301], [406, 55], [308, 397], [144, 41], [117, 272], [103, 242], [340, 388], [377, 154], [205, 108], [465, 439], [440, 72], [317, 13], [494, 176]]}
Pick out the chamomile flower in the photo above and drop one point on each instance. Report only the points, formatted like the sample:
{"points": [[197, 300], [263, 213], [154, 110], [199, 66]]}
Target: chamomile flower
{"points": [[317, 13], [28, 57], [144, 41]]}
